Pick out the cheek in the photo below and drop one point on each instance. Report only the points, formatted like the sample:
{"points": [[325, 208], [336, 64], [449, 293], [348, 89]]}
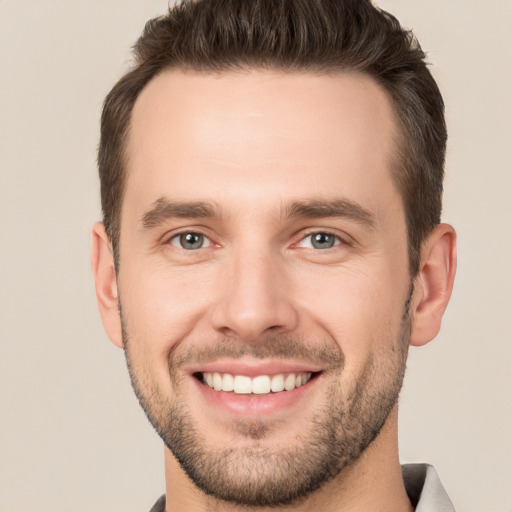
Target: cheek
{"points": [[161, 305], [360, 308]]}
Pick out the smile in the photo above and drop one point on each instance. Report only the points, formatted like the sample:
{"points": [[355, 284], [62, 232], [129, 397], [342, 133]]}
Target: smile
{"points": [[259, 385]]}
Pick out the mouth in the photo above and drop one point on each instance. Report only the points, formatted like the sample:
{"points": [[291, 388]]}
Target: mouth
{"points": [[259, 385], [249, 388]]}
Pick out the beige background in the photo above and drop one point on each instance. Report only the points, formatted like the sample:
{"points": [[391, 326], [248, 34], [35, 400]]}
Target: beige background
{"points": [[72, 435]]}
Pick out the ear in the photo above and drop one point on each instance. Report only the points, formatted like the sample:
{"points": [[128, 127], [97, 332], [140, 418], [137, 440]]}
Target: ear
{"points": [[103, 269], [434, 283]]}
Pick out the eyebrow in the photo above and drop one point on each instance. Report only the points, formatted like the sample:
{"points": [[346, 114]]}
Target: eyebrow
{"points": [[164, 209], [343, 208]]}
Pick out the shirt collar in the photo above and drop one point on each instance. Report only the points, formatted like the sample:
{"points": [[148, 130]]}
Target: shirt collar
{"points": [[424, 489]]}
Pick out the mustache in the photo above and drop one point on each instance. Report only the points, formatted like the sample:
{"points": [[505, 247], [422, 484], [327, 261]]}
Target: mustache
{"points": [[327, 354]]}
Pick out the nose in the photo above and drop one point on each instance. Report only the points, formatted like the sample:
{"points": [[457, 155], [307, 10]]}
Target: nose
{"points": [[255, 298]]}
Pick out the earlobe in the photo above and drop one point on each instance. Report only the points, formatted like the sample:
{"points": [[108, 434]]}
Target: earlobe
{"points": [[105, 280], [433, 285]]}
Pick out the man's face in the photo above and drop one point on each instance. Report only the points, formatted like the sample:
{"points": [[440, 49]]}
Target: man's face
{"points": [[263, 245]]}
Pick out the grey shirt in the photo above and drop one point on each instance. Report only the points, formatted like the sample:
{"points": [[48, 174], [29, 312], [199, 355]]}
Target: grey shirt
{"points": [[424, 489], [421, 483]]}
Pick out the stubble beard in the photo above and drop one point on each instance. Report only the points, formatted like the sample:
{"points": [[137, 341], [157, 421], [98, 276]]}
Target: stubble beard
{"points": [[339, 432]]}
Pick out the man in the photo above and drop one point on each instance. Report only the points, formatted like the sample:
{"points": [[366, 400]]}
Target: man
{"points": [[271, 177]]}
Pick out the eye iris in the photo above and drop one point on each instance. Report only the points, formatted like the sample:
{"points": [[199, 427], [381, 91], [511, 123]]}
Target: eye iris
{"points": [[322, 240], [191, 241]]}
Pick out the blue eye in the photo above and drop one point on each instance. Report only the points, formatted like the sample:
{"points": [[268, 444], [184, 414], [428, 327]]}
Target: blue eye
{"points": [[320, 240], [190, 241]]}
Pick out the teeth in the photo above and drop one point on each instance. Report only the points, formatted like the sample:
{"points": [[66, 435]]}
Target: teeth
{"points": [[217, 381], [243, 384], [289, 382], [277, 383], [228, 382], [260, 385]]}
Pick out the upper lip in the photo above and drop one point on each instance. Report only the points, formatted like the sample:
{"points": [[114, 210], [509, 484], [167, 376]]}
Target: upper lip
{"points": [[254, 368]]}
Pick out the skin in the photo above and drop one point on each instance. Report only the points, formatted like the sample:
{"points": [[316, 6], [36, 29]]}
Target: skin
{"points": [[248, 145]]}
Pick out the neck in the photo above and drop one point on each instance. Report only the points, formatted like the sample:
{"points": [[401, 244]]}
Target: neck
{"points": [[372, 483]]}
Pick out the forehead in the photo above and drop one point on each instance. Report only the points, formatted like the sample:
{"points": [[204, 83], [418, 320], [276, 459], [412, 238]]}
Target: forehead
{"points": [[204, 134]]}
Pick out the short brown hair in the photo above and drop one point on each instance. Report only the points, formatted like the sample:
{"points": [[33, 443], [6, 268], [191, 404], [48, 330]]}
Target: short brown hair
{"points": [[319, 36]]}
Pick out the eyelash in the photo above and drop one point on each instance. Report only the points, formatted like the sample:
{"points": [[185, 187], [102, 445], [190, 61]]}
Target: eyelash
{"points": [[178, 236], [338, 240]]}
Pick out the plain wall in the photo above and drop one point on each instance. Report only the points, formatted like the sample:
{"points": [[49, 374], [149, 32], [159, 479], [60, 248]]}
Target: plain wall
{"points": [[72, 437]]}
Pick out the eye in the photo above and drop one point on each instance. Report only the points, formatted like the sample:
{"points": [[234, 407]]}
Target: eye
{"points": [[320, 240], [190, 241]]}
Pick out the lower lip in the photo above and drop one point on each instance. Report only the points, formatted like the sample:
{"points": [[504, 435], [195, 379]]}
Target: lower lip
{"points": [[254, 405]]}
